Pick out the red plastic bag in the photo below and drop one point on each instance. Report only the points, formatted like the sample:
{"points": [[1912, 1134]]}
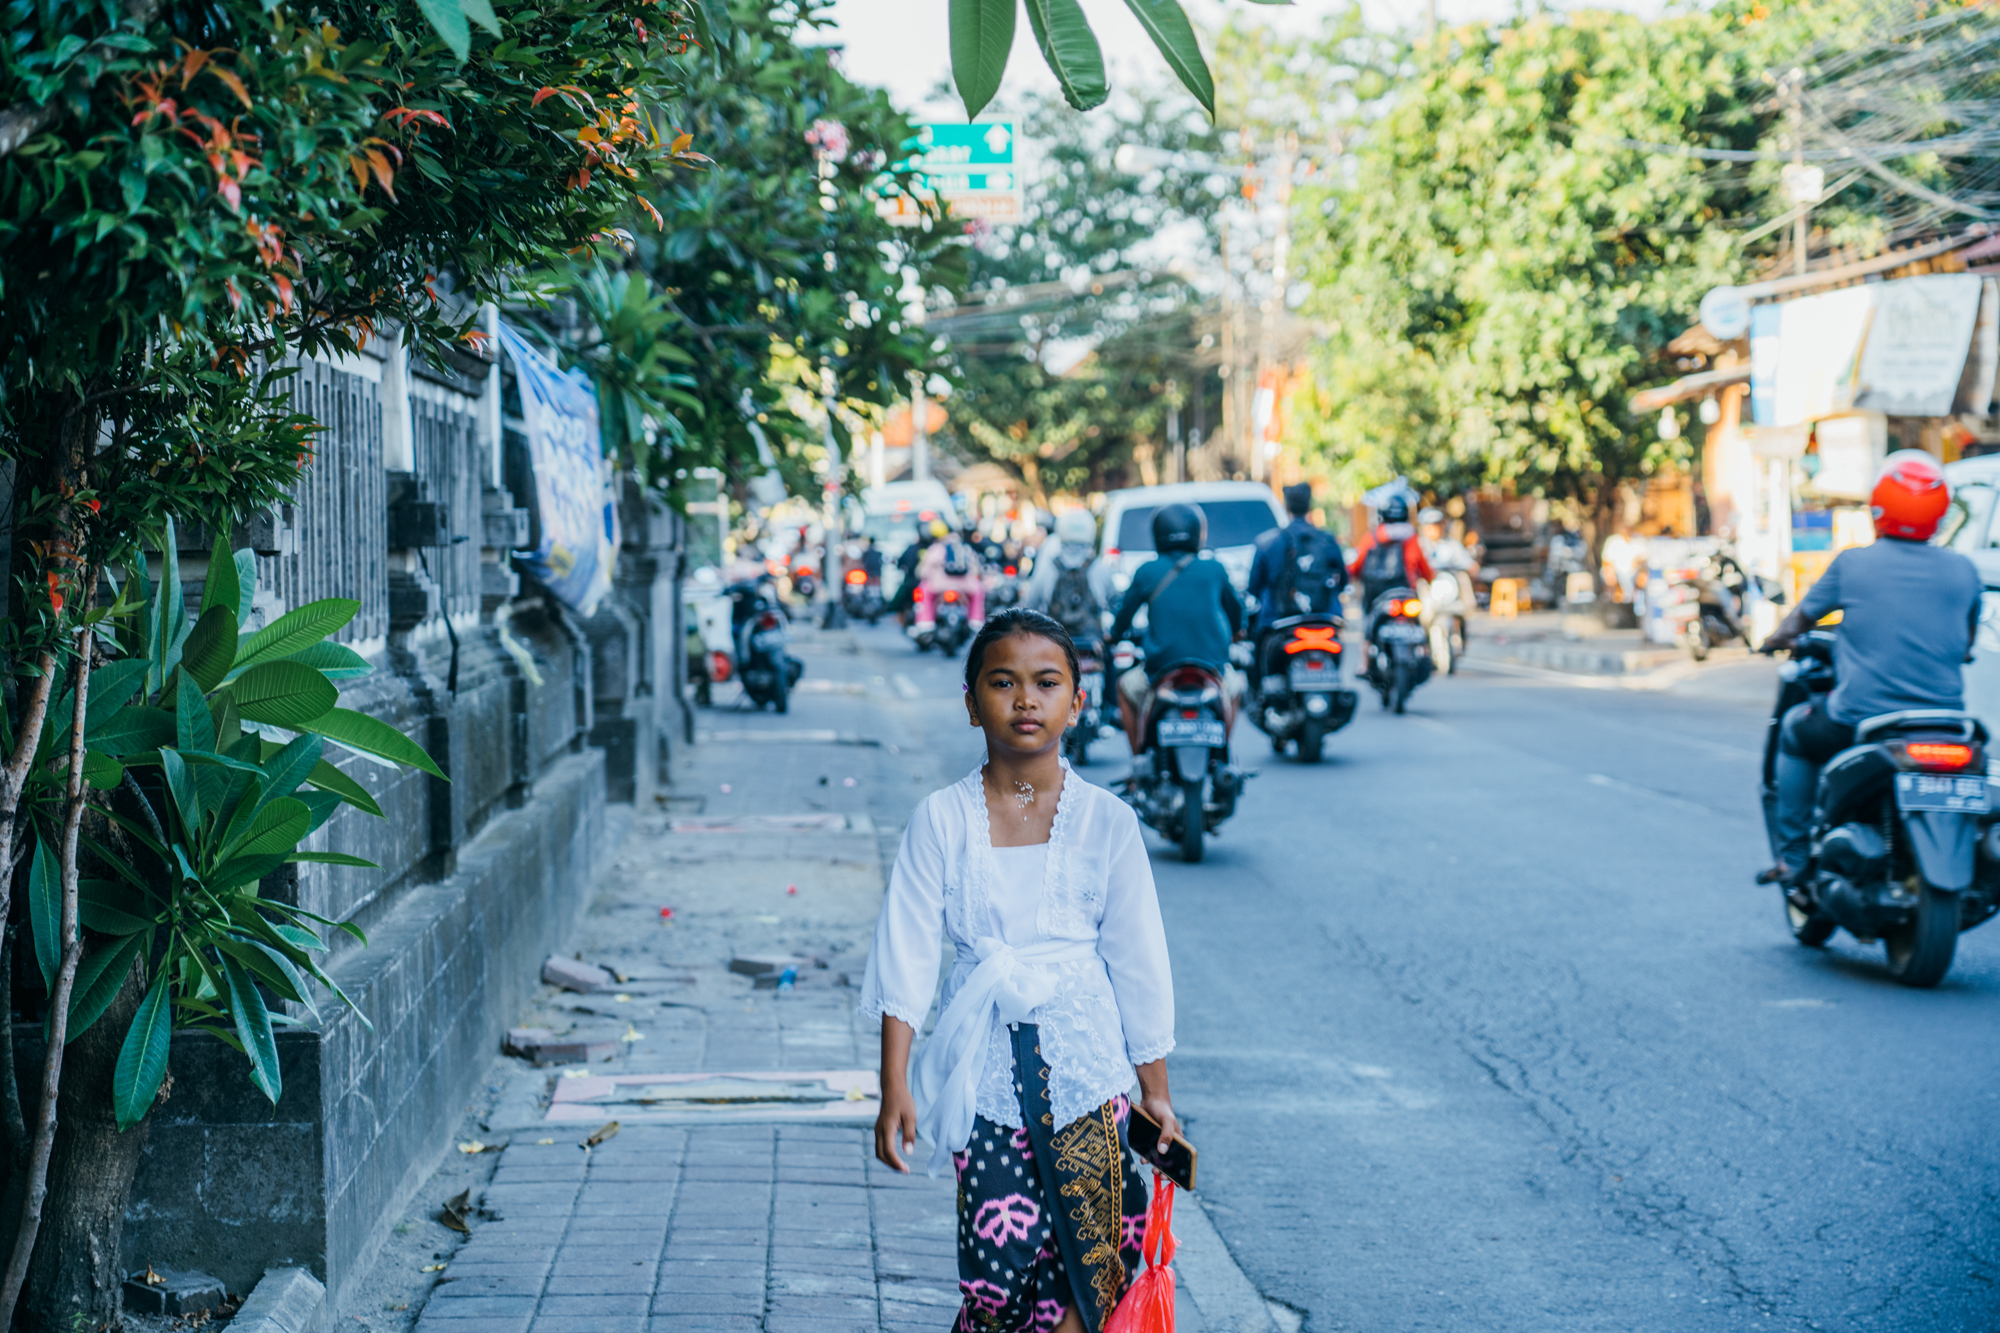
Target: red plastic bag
{"points": [[1148, 1306]]}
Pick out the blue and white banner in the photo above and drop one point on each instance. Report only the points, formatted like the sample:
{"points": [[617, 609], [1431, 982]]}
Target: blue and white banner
{"points": [[574, 506]]}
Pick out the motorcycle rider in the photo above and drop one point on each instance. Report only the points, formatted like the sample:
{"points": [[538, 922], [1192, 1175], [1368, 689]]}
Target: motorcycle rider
{"points": [[1391, 556], [1296, 560], [1908, 614], [950, 563], [907, 560], [1193, 613], [1071, 582]]}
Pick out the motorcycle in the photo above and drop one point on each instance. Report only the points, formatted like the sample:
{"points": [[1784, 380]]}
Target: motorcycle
{"points": [[1722, 595], [949, 626], [767, 670], [1399, 657], [1297, 695], [1445, 601], [1090, 720], [1905, 846], [1181, 783], [861, 596]]}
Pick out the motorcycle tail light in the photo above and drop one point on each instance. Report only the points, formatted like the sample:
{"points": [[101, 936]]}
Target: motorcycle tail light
{"points": [[1413, 608], [1189, 713], [1396, 608], [951, 597], [857, 577], [770, 621], [1010, 571], [1940, 756], [1314, 639], [718, 666]]}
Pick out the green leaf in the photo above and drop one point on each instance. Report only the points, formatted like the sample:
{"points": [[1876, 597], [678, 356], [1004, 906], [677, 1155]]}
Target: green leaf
{"points": [[45, 910], [1071, 50], [279, 975], [253, 1028], [335, 661], [111, 687], [481, 12], [982, 36], [298, 937], [246, 583], [321, 804], [211, 648], [168, 621], [242, 870], [194, 725], [221, 588], [372, 736], [133, 730], [328, 778], [276, 830], [111, 908], [284, 694], [180, 785], [294, 764], [448, 17], [142, 1060], [333, 859], [101, 771], [296, 631], [1167, 24], [98, 979]]}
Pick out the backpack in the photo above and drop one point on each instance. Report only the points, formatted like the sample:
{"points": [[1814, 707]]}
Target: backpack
{"points": [[957, 559], [1309, 576], [1382, 568], [1071, 603]]}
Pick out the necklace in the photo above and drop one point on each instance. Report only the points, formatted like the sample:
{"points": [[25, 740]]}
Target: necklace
{"points": [[1024, 796]]}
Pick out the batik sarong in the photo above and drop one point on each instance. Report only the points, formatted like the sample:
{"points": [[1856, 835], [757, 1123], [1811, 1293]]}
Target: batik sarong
{"points": [[1047, 1219]]}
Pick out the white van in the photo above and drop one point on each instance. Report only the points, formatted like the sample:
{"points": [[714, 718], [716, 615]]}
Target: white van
{"points": [[893, 512], [1969, 528], [1238, 512]]}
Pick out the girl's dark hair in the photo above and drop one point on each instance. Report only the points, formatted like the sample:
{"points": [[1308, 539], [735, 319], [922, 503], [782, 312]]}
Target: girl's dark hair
{"points": [[1020, 620]]}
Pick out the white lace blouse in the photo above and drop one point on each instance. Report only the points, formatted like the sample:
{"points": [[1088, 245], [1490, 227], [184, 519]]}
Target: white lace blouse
{"points": [[1109, 1011]]}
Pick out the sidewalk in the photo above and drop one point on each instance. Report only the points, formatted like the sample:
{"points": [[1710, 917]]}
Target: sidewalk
{"points": [[716, 1204], [1574, 644]]}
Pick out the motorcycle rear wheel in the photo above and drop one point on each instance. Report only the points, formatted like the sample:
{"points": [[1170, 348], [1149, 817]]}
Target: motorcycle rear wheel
{"points": [[1697, 641], [1191, 820], [1812, 929], [1310, 741], [781, 694], [1400, 686], [1920, 950]]}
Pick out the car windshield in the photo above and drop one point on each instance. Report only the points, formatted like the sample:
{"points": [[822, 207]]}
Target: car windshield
{"points": [[1230, 523]]}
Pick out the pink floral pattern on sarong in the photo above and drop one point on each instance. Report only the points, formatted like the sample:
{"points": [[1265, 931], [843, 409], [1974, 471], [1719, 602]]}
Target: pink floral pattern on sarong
{"points": [[1002, 1220]]}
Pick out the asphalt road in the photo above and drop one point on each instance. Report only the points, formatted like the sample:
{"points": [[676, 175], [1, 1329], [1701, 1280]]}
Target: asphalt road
{"points": [[1483, 1025]]}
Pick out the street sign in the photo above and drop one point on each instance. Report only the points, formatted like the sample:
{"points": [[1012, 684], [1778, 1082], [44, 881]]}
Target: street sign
{"points": [[1725, 312], [970, 169]]}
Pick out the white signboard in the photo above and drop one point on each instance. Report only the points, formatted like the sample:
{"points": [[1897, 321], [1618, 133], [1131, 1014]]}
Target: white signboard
{"points": [[1818, 337], [1918, 343]]}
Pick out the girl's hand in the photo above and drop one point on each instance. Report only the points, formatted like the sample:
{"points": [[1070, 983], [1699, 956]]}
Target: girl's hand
{"points": [[1162, 1111], [897, 1120]]}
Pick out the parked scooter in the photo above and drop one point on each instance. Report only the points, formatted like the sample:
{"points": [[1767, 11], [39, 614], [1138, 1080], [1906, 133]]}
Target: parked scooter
{"points": [[861, 596], [1090, 721], [1182, 783], [1905, 848], [1399, 656], [760, 627], [1297, 695], [1723, 594]]}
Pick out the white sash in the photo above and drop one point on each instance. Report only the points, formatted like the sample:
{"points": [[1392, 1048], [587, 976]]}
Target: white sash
{"points": [[945, 1077]]}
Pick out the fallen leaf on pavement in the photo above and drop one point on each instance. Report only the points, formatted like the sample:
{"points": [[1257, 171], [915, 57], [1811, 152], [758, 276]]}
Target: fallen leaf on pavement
{"points": [[455, 1210], [632, 1034], [472, 1145], [856, 1095], [544, 1142], [604, 1132], [433, 1268]]}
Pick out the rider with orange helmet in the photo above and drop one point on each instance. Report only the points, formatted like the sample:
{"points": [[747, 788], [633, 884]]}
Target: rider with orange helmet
{"points": [[1908, 611]]}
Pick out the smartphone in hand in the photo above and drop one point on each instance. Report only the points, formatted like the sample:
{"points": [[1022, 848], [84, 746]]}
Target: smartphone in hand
{"points": [[1175, 1158]]}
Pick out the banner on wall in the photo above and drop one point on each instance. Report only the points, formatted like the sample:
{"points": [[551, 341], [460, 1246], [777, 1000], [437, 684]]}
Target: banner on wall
{"points": [[576, 511], [1918, 345]]}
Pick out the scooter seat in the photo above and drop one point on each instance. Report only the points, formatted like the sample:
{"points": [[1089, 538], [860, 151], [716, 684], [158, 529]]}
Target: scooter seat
{"points": [[1929, 720]]}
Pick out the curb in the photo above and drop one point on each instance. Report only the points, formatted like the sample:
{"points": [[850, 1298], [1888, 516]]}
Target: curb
{"points": [[1228, 1301], [1575, 659], [286, 1300]]}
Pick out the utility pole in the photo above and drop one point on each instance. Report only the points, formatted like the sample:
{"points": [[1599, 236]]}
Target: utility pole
{"points": [[1230, 375], [1804, 185], [1274, 301], [920, 435]]}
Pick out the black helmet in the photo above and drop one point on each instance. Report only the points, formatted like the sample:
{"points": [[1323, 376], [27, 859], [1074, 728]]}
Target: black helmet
{"points": [[1396, 510], [1179, 528]]}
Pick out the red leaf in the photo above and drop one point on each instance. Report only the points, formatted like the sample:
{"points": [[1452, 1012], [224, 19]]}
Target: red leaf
{"points": [[541, 95]]}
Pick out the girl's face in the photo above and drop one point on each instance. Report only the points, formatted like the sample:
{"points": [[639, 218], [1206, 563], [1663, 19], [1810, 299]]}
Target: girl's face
{"points": [[1023, 697]]}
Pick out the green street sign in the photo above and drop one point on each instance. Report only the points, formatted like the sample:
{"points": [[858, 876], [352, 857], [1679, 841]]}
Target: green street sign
{"points": [[968, 168]]}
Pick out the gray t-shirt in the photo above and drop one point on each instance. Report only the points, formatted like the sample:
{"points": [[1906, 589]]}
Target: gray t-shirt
{"points": [[1907, 615]]}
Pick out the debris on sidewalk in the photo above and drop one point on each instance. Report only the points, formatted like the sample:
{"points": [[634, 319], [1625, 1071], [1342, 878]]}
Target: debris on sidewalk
{"points": [[574, 975], [545, 1048], [154, 1290]]}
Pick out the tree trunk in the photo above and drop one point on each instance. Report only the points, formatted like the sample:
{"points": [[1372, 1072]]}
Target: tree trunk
{"points": [[74, 1279]]}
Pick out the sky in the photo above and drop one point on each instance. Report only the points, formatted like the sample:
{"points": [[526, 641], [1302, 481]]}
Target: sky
{"points": [[904, 46]]}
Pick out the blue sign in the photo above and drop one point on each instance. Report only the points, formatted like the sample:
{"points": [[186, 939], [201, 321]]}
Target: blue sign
{"points": [[575, 509]]}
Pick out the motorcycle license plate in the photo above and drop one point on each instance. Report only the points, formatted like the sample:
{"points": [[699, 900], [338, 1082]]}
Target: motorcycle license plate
{"points": [[1192, 731], [1936, 791], [768, 639], [1399, 632], [1315, 676]]}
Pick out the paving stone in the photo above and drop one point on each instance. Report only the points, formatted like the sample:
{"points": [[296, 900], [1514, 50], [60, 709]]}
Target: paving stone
{"points": [[703, 1323], [595, 1323], [633, 1280]]}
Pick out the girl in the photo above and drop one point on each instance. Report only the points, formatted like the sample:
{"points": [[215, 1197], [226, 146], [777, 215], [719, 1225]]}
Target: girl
{"points": [[1060, 989]]}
